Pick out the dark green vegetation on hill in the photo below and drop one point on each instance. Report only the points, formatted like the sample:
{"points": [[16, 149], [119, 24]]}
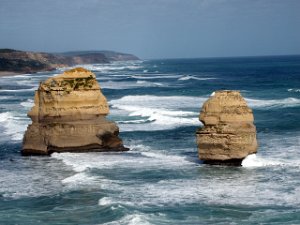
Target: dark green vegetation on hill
{"points": [[29, 62]]}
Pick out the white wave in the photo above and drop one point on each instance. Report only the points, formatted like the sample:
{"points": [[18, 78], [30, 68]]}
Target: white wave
{"points": [[105, 201], [133, 121], [18, 90], [293, 90], [139, 157], [134, 219], [158, 112], [129, 85], [5, 97], [286, 102], [14, 126], [111, 67], [242, 187], [81, 180], [78, 178], [195, 78], [162, 102], [16, 76], [41, 176], [155, 76], [149, 84], [32, 82], [23, 75], [27, 104], [254, 161]]}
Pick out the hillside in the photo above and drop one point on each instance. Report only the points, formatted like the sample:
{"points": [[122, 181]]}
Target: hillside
{"points": [[29, 62]]}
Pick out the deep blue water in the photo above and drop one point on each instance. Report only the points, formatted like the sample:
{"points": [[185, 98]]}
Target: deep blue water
{"points": [[156, 104]]}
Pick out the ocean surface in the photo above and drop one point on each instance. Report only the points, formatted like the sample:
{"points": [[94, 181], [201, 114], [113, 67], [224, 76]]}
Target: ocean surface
{"points": [[156, 104]]}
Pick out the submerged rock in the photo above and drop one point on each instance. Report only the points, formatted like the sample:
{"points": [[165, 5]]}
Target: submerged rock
{"points": [[69, 115], [229, 134]]}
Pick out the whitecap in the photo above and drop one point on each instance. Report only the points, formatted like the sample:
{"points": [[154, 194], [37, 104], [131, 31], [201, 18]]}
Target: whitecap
{"points": [[16, 76], [111, 67], [81, 180], [78, 178], [105, 201], [155, 76], [133, 121], [129, 85], [293, 90], [254, 161], [14, 126], [139, 157], [158, 112], [27, 104], [18, 90], [134, 219], [274, 103], [183, 78], [163, 102]]}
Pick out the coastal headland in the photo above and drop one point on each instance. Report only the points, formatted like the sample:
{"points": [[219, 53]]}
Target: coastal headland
{"points": [[13, 62]]}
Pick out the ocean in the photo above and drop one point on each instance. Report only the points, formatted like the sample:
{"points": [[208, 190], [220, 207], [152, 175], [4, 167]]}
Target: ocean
{"points": [[156, 104]]}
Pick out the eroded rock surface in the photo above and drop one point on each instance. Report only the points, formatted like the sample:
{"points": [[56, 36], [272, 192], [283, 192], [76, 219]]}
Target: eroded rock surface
{"points": [[229, 134], [69, 115]]}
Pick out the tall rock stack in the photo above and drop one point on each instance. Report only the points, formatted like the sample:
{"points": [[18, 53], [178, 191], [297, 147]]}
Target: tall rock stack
{"points": [[229, 134], [69, 115]]}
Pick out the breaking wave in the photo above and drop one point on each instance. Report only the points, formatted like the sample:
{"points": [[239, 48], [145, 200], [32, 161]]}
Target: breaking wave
{"points": [[14, 126], [276, 103], [293, 90], [158, 112], [18, 90], [183, 78], [27, 104], [254, 161], [129, 85]]}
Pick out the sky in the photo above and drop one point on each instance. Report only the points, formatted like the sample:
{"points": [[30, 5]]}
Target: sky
{"points": [[153, 28]]}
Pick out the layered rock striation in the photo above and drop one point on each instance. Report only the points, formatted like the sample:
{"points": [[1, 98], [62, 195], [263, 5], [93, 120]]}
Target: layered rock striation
{"points": [[69, 115], [229, 134]]}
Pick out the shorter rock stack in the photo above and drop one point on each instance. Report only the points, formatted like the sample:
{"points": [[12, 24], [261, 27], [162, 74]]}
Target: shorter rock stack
{"points": [[229, 134], [69, 115]]}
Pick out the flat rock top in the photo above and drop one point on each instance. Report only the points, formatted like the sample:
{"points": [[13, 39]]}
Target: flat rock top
{"points": [[225, 106], [74, 79], [228, 98], [78, 72]]}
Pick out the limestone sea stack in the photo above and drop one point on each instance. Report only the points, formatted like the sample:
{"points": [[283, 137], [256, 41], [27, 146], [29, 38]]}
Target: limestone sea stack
{"points": [[69, 116], [229, 134]]}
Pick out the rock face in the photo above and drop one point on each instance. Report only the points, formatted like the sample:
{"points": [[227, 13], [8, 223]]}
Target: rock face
{"points": [[229, 134], [69, 115]]}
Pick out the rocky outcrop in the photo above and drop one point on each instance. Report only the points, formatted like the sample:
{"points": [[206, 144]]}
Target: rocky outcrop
{"points": [[229, 134], [29, 62], [69, 115]]}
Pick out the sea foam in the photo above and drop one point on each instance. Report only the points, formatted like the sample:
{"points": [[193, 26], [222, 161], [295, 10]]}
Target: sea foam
{"points": [[188, 77], [14, 126], [158, 112], [254, 161], [121, 85], [274, 103]]}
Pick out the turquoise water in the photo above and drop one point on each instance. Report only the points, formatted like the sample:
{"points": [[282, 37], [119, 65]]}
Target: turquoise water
{"points": [[156, 104]]}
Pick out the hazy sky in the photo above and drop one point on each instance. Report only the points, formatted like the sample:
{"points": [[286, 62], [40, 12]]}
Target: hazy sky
{"points": [[153, 28]]}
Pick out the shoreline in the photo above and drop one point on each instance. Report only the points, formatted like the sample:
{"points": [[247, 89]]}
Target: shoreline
{"points": [[9, 73]]}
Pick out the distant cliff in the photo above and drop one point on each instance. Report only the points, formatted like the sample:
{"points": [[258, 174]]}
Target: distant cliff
{"points": [[29, 62]]}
